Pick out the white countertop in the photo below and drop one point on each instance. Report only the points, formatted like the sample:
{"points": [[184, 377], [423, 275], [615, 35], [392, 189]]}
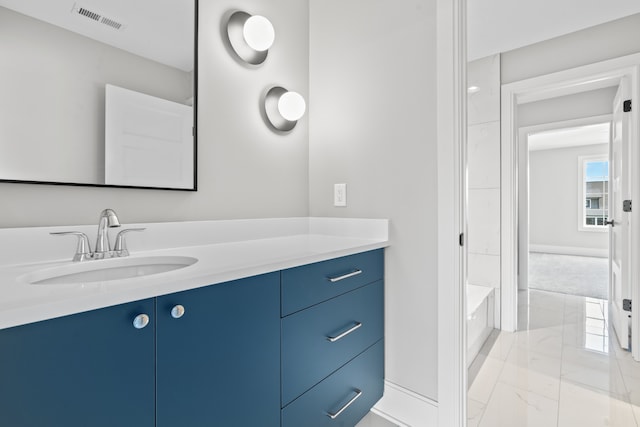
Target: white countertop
{"points": [[226, 250]]}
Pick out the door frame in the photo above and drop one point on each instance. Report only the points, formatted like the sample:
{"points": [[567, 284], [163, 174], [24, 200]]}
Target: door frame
{"points": [[575, 80], [451, 206]]}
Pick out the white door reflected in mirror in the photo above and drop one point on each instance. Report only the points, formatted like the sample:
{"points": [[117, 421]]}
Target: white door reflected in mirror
{"points": [[148, 140]]}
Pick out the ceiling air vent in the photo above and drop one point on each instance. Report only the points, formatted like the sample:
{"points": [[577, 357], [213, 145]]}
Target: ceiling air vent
{"points": [[91, 15], [97, 17], [112, 23]]}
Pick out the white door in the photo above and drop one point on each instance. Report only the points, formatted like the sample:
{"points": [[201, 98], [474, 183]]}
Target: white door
{"points": [[619, 229], [148, 140]]}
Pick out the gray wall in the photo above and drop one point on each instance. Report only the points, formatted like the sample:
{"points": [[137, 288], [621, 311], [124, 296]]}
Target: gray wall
{"points": [[373, 127], [245, 169], [599, 43], [53, 89], [586, 104], [553, 199]]}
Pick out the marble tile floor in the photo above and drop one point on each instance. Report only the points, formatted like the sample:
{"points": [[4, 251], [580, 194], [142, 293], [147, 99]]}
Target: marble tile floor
{"points": [[563, 368]]}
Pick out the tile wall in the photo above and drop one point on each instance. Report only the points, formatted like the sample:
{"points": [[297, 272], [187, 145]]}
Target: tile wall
{"points": [[484, 175]]}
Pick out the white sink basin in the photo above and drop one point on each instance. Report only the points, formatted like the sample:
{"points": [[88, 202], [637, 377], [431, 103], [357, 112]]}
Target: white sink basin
{"points": [[107, 270]]}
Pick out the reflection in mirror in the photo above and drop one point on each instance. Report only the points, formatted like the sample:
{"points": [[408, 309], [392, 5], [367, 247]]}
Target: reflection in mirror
{"points": [[98, 92]]}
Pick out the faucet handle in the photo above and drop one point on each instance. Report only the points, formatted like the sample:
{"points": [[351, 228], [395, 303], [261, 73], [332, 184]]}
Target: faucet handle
{"points": [[83, 250], [121, 245]]}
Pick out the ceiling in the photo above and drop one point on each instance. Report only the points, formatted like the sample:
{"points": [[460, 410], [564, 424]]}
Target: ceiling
{"points": [[160, 30], [569, 137], [495, 26]]}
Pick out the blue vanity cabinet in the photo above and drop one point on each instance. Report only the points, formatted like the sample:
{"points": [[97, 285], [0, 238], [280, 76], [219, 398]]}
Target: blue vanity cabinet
{"points": [[288, 348], [88, 369], [332, 340], [219, 363]]}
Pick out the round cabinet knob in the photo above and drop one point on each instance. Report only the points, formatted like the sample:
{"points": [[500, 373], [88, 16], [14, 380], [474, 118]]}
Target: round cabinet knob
{"points": [[177, 311], [140, 321]]}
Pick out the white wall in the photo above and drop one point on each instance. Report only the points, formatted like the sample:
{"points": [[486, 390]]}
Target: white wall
{"points": [[484, 176], [373, 126], [56, 78], [244, 169], [586, 104], [553, 199], [599, 43]]}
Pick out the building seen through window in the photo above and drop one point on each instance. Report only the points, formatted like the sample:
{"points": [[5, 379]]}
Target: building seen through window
{"points": [[596, 193]]}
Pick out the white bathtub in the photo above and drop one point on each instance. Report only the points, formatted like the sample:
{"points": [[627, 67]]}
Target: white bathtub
{"points": [[480, 301]]}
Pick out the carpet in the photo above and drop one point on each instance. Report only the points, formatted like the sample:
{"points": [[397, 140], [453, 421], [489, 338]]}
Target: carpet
{"points": [[569, 274]]}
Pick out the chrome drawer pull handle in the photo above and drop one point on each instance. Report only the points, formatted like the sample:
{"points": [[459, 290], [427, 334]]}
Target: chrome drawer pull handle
{"points": [[349, 403], [344, 276], [345, 333]]}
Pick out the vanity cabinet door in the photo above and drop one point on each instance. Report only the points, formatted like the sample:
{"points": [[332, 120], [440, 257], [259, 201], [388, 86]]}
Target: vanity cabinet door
{"points": [[218, 362], [89, 369]]}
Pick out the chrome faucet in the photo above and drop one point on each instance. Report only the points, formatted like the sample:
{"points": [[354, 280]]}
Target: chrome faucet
{"points": [[108, 219]]}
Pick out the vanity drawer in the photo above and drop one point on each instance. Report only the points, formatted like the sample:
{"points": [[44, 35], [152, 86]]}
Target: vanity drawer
{"points": [[353, 322], [361, 379], [311, 284]]}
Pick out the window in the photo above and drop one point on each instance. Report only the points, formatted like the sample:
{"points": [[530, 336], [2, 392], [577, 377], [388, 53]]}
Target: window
{"points": [[592, 202], [594, 178]]}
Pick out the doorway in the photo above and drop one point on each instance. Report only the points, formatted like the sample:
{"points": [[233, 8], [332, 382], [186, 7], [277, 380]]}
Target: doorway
{"points": [[590, 77], [509, 219], [564, 236], [554, 352], [563, 209]]}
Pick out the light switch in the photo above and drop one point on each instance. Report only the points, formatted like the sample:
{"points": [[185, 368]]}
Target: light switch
{"points": [[340, 195]]}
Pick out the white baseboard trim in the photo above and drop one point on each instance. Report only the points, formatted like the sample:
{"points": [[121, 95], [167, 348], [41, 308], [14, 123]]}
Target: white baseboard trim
{"points": [[406, 408], [570, 250]]}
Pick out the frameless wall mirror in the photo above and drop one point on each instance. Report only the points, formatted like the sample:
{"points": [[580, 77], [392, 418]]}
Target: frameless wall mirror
{"points": [[99, 92]]}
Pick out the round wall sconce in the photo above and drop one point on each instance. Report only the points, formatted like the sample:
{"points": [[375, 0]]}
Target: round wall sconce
{"points": [[250, 36], [284, 108]]}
